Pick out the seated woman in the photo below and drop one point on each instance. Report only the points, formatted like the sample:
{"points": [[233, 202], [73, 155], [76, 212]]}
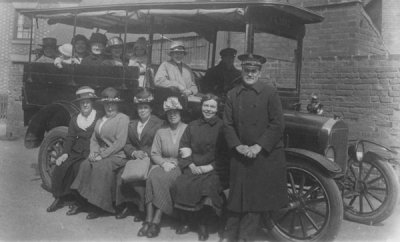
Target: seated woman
{"points": [[96, 178], [198, 188], [97, 44], [80, 43], [115, 50], [164, 153], [138, 145], [139, 59], [76, 149]]}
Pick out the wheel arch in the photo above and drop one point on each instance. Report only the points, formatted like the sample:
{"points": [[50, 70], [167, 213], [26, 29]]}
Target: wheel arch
{"points": [[321, 162], [48, 117]]}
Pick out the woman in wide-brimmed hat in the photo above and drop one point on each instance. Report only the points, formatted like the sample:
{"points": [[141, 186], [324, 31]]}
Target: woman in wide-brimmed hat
{"points": [[141, 133], [76, 149], [97, 44], [139, 59], [95, 181], [175, 74], [164, 153]]}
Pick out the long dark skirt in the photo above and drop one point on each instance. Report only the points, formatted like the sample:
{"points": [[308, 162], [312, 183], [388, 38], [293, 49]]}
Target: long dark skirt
{"points": [[191, 192], [130, 192], [158, 187], [64, 175], [96, 181]]}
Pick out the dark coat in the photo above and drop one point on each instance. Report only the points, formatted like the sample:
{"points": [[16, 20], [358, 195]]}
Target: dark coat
{"points": [[76, 145], [219, 80], [205, 138], [254, 116], [134, 191], [93, 60]]}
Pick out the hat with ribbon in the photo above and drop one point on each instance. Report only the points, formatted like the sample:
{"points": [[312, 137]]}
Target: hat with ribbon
{"points": [[252, 60], [49, 42], [172, 103], [177, 46], [98, 38], [110, 95], [144, 96], [85, 92], [66, 49]]}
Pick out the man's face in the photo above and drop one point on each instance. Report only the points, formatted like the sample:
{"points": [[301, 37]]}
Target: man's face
{"points": [[251, 74], [50, 52], [177, 56], [228, 60]]}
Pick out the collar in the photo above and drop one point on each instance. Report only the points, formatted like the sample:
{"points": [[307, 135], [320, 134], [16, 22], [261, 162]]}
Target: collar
{"points": [[212, 121], [257, 87], [176, 64]]}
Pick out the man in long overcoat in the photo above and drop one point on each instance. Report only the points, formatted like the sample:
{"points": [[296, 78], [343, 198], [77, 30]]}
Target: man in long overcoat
{"points": [[253, 126]]}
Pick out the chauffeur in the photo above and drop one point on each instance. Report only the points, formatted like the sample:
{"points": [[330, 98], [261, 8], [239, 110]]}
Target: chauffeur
{"points": [[253, 126]]}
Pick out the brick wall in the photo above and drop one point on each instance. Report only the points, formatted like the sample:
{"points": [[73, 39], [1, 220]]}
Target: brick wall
{"points": [[365, 90], [390, 25]]}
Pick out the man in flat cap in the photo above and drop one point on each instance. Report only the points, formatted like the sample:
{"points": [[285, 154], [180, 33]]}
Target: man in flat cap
{"points": [[253, 126], [222, 77]]}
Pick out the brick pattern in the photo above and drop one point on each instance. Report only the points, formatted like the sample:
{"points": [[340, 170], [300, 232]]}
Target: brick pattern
{"points": [[365, 90]]}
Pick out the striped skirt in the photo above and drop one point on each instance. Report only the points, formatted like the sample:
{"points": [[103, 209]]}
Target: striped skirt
{"points": [[158, 187]]}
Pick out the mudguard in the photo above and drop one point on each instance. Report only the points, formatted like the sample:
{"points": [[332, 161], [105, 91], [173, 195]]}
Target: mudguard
{"points": [[50, 116], [321, 162]]}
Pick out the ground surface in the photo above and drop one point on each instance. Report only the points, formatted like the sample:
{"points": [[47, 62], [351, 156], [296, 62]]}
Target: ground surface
{"points": [[23, 213]]}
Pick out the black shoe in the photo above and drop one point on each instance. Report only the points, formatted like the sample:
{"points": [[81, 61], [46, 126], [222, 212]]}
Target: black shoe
{"points": [[153, 231], [123, 214], [57, 204], [203, 233], [183, 229], [74, 209], [93, 215], [143, 230], [138, 218]]}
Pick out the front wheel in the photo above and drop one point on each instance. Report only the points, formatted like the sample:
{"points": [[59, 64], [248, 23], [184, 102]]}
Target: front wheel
{"points": [[315, 209], [370, 190], [50, 149]]}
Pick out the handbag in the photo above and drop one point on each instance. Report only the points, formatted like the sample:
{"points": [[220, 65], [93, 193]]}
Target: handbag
{"points": [[136, 170]]}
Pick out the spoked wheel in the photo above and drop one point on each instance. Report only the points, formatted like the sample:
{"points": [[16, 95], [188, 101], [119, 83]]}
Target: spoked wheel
{"points": [[370, 190], [50, 149], [315, 209]]}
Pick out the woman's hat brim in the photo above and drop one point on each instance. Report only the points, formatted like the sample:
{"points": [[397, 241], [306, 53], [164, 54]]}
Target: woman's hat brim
{"points": [[85, 98]]}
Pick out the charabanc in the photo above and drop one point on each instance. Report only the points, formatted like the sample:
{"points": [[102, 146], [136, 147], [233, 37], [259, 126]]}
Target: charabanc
{"points": [[328, 176]]}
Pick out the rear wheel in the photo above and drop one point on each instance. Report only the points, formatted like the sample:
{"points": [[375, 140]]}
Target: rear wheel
{"points": [[315, 209], [370, 190], [50, 149]]}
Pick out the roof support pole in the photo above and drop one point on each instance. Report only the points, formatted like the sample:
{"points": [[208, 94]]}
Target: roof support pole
{"points": [[149, 73], [299, 61], [73, 49], [214, 48], [123, 86], [31, 40], [249, 38]]}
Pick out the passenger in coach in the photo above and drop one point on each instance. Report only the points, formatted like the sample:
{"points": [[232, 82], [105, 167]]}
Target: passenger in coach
{"points": [[114, 51], [96, 178], [49, 50], [174, 73], [139, 59], [253, 128], [164, 153], [97, 43], [141, 133], [76, 149], [81, 46], [197, 193]]}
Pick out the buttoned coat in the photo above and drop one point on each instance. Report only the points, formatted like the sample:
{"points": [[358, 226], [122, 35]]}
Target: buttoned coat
{"points": [[253, 115]]}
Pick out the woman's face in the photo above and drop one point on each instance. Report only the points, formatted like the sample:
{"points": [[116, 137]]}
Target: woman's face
{"points": [[97, 48], [80, 47], [140, 51], [111, 109], [116, 52], [86, 107], [173, 116], [144, 111], [209, 108], [177, 56]]}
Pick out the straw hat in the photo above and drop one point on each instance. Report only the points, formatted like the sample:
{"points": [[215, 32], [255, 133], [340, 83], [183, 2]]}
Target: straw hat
{"points": [[172, 103], [110, 94], [177, 46], [143, 96], [85, 92], [66, 49]]}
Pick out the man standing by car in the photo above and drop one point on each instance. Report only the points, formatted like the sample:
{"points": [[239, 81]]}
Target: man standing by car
{"points": [[253, 125], [222, 77]]}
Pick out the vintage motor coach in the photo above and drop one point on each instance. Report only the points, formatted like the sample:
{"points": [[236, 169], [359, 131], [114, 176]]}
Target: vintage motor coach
{"points": [[328, 176]]}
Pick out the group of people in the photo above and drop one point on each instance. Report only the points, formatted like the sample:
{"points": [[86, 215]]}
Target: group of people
{"points": [[182, 180]]}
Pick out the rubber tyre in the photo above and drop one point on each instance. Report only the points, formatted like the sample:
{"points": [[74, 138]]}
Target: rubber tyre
{"points": [[333, 216], [388, 205], [48, 152]]}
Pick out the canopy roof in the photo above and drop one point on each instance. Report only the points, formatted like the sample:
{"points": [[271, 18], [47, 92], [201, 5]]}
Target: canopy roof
{"points": [[202, 17]]}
